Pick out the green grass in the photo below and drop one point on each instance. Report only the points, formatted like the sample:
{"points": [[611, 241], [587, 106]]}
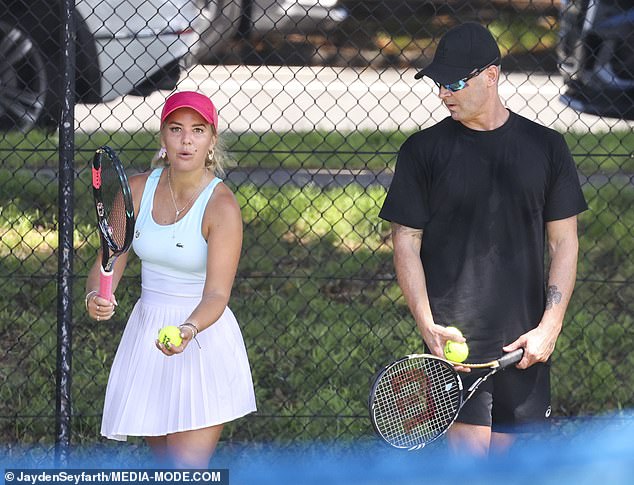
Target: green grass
{"points": [[315, 297], [603, 152], [608, 152], [524, 33]]}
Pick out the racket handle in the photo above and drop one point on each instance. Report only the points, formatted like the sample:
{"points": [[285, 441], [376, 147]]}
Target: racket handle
{"points": [[105, 284], [510, 358]]}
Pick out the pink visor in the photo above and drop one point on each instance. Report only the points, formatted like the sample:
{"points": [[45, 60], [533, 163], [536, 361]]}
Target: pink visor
{"points": [[196, 101]]}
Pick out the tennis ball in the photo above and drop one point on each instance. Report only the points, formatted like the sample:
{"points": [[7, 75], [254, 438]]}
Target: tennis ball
{"points": [[456, 352], [170, 335]]}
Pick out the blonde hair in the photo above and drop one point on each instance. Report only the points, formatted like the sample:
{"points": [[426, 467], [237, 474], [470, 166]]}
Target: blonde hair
{"points": [[215, 157]]}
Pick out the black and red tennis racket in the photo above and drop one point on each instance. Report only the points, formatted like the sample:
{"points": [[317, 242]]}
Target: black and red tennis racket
{"points": [[415, 400], [115, 212]]}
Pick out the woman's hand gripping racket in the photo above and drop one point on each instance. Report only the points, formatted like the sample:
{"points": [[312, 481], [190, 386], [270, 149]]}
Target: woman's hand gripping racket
{"points": [[115, 212], [415, 400]]}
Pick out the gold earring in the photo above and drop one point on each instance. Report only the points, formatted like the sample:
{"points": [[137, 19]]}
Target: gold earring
{"points": [[210, 156]]}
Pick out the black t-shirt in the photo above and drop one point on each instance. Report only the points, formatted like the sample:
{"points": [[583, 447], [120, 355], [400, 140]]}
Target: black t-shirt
{"points": [[482, 199]]}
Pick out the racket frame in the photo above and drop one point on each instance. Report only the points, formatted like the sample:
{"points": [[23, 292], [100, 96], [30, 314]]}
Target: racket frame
{"points": [[110, 250], [494, 366]]}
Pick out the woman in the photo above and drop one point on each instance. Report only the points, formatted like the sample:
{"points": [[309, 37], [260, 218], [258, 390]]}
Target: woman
{"points": [[188, 235]]}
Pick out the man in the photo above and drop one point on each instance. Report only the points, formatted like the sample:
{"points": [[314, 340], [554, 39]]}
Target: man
{"points": [[471, 203]]}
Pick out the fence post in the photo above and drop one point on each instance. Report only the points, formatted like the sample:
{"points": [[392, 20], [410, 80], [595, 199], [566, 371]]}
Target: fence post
{"points": [[65, 243]]}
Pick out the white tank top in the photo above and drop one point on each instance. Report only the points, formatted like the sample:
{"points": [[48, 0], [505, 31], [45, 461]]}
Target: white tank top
{"points": [[174, 256]]}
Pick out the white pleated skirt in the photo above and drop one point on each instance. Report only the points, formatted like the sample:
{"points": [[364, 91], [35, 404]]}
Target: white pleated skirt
{"points": [[151, 394]]}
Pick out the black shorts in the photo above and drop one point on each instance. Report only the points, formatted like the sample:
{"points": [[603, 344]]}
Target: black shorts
{"points": [[508, 399]]}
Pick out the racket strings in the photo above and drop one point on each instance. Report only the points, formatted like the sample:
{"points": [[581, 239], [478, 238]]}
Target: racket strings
{"points": [[114, 222], [415, 401]]}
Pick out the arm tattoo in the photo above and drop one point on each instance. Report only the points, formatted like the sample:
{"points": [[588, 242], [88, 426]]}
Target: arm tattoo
{"points": [[553, 296], [407, 231]]}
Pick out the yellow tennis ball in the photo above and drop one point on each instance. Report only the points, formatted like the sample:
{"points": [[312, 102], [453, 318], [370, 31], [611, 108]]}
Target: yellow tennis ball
{"points": [[170, 335], [456, 352]]}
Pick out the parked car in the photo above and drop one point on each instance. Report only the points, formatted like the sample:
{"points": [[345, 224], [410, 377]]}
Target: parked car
{"points": [[221, 21], [302, 16], [258, 18], [596, 56], [123, 47], [129, 47]]}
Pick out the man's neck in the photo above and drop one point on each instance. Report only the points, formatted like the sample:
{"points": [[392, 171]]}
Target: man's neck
{"points": [[490, 119]]}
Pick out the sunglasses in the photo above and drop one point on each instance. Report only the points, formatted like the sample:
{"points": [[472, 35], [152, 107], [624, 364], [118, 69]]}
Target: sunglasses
{"points": [[462, 83]]}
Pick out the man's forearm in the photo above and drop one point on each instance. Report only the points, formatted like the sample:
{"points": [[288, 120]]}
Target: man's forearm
{"points": [[562, 275], [410, 273]]}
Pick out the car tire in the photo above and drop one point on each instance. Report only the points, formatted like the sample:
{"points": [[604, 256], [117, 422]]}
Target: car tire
{"points": [[24, 81]]}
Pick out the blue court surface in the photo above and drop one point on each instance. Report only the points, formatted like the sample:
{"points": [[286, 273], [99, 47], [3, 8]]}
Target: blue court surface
{"points": [[593, 451]]}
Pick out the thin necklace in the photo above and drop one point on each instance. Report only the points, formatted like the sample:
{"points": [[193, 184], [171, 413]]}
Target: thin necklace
{"points": [[196, 194]]}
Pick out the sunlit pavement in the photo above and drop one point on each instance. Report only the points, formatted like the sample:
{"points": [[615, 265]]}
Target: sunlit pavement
{"points": [[279, 98]]}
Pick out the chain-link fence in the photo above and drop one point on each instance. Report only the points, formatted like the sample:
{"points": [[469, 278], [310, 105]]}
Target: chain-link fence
{"points": [[314, 100]]}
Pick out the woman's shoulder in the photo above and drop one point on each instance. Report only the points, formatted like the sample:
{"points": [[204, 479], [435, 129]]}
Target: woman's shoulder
{"points": [[222, 204], [138, 180], [137, 186], [140, 177], [223, 198], [222, 214]]}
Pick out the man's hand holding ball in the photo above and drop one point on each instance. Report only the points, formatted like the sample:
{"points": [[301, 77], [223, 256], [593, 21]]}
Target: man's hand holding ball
{"points": [[456, 351]]}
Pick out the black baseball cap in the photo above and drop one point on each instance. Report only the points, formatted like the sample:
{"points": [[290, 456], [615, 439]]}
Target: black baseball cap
{"points": [[463, 49]]}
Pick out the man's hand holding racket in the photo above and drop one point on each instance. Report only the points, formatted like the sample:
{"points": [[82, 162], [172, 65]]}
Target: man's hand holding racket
{"points": [[538, 345]]}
